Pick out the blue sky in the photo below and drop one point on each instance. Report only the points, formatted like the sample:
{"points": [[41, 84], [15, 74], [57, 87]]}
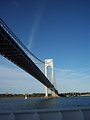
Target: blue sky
{"points": [[57, 29]]}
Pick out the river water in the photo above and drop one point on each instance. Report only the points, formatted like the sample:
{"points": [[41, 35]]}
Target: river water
{"points": [[44, 103]]}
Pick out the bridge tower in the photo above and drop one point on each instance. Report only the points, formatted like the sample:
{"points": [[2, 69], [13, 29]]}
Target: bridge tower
{"points": [[49, 63]]}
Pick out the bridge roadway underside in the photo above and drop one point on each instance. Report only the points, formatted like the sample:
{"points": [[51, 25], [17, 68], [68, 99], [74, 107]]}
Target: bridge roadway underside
{"points": [[13, 52]]}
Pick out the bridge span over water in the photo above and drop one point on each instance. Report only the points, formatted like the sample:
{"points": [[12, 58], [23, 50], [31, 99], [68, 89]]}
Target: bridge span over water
{"points": [[14, 50]]}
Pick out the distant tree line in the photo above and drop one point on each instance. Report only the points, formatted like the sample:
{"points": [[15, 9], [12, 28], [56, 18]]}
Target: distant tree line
{"points": [[70, 94], [10, 95]]}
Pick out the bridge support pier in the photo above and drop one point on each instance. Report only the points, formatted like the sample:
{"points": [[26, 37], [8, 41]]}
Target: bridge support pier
{"points": [[50, 76]]}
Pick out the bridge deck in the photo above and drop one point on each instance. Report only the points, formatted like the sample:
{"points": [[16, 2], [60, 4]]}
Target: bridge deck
{"points": [[12, 50]]}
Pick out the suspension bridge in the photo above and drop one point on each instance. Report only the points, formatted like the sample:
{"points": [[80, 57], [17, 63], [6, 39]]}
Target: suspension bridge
{"points": [[15, 51], [70, 108]]}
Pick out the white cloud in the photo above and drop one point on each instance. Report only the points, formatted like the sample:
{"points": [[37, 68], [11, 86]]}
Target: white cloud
{"points": [[14, 79], [36, 24], [10, 72], [71, 81]]}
